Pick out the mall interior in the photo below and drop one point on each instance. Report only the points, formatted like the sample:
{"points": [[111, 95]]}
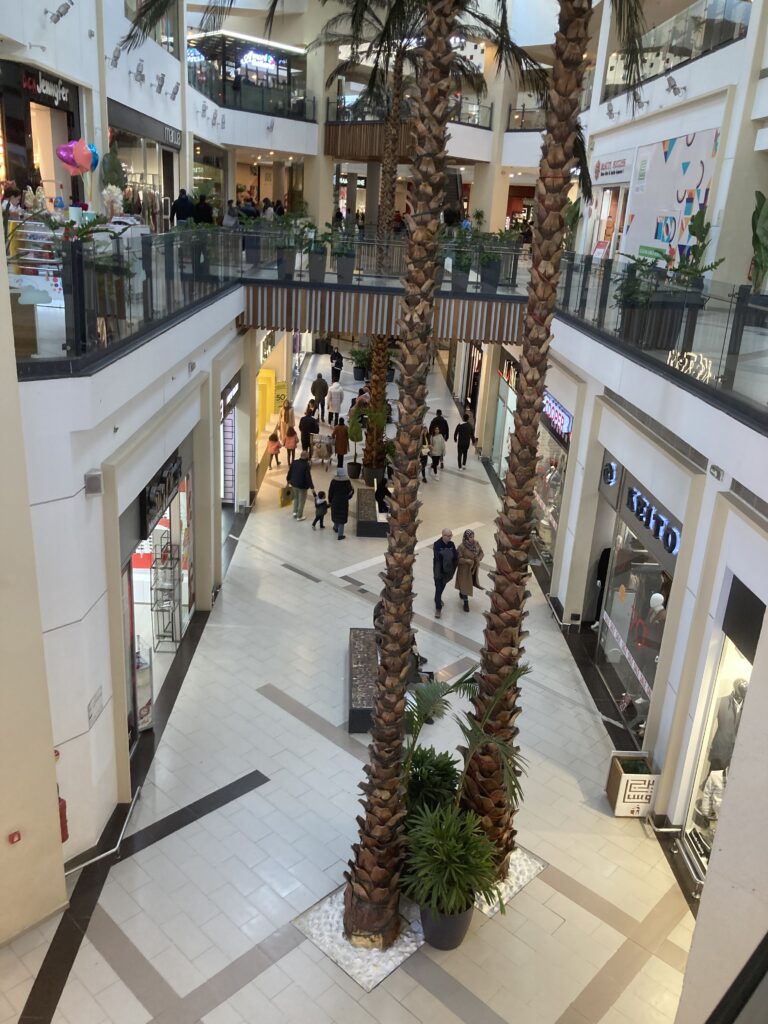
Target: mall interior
{"points": [[180, 707]]}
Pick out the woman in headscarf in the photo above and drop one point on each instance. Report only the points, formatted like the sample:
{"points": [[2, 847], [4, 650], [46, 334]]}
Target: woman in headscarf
{"points": [[340, 494], [285, 418], [470, 554]]}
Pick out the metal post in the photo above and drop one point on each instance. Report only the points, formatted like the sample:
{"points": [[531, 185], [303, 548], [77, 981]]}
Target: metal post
{"points": [[569, 258], [584, 287], [605, 289], [148, 284], [738, 323]]}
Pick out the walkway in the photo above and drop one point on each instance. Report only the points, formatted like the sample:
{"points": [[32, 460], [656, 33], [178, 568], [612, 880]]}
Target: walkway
{"points": [[249, 808]]}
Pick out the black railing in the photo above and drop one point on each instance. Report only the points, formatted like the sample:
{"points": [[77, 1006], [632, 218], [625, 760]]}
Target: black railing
{"points": [[243, 94], [464, 111]]}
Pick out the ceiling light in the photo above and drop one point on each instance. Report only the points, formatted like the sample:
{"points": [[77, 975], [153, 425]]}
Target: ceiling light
{"points": [[114, 60], [461, 168], [159, 83], [290, 158], [259, 156], [271, 152], [60, 11]]}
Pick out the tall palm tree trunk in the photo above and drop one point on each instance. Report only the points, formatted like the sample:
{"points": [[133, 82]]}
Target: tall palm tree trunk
{"points": [[504, 634], [389, 164], [374, 437], [371, 915]]}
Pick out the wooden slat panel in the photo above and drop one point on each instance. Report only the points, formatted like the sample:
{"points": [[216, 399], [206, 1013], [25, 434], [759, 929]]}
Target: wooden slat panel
{"points": [[364, 140]]}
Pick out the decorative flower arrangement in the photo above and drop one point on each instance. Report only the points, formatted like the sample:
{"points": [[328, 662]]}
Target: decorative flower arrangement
{"points": [[35, 202], [113, 200]]}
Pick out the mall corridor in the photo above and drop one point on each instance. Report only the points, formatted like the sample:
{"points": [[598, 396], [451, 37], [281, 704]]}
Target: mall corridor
{"points": [[248, 812]]}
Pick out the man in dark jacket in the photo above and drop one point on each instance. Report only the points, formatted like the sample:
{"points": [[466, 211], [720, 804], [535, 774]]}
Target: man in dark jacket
{"points": [[441, 423], [462, 435], [308, 425], [300, 479], [319, 390], [182, 208], [203, 212], [444, 561]]}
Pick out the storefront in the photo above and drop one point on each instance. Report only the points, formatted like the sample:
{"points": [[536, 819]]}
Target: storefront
{"points": [[148, 152], [611, 176], [505, 412], [726, 694], [158, 583], [209, 173], [38, 112], [555, 428], [228, 482], [632, 605], [471, 385]]}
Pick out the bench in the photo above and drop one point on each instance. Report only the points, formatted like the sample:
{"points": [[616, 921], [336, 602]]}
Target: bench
{"points": [[363, 675], [370, 523]]}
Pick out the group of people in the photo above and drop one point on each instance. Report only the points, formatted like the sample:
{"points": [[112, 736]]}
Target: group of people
{"points": [[434, 441], [340, 493], [463, 562], [184, 209]]}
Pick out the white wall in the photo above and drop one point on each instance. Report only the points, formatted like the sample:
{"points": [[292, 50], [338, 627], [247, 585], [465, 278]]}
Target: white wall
{"points": [[122, 87], [468, 143], [244, 129], [521, 149], [65, 50]]}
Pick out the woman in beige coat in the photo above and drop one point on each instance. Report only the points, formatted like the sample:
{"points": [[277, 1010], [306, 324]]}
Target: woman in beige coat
{"points": [[470, 555], [285, 419]]}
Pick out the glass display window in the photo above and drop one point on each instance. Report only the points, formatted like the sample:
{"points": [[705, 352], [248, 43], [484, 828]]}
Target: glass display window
{"points": [[632, 626], [719, 738], [548, 494]]}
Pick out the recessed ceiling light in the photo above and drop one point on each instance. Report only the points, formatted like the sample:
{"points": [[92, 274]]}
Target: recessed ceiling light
{"points": [[271, 152], [259, 156], [461, 168], [290, 158]]}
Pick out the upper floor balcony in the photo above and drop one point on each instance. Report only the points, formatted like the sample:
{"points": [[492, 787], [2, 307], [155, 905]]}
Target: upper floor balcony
{"points": [[701, 28]]}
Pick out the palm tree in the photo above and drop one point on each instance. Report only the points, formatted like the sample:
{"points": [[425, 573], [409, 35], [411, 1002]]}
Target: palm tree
{"points": [[504, 634], [377, 418], [149, 14]]}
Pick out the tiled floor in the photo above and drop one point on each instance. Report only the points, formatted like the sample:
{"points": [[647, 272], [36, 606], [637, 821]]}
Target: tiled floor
{"points": [[197, 926]]}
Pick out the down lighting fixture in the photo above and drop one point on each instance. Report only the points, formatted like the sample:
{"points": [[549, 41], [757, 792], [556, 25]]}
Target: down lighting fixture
{"points": [[204, 109], [159, 82], [674, 88], [138, 75], [214, 118], [223, 121], [60, 11], [174, 91], [114, 60]]}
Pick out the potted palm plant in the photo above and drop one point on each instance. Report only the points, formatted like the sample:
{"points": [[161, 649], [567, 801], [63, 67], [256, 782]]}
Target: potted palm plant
{"points": [[285, 247], [343, 247], [461, 262], [315, 246], [361, 362]]}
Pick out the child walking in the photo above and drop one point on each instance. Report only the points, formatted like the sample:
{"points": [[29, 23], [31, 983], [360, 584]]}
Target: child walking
{"points": [[273, 447], [321, 507], [291, 440]]}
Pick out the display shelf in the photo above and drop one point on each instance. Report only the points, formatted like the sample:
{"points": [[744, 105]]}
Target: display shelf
{"points": [[165, 593]]}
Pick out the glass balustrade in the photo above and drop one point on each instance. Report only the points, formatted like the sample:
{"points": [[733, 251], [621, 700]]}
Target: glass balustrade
{"points": [[240, 93]]}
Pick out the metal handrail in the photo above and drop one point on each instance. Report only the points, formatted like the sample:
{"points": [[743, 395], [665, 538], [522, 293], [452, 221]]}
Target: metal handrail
{"points": [[116, 847]]}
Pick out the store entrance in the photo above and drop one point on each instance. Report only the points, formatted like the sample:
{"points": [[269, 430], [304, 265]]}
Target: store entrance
{"points": [[50, 128], [158, 604], [472, 380]]}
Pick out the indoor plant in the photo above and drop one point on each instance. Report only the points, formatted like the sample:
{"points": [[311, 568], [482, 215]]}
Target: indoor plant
{"points": [[343, 249], [490, 264], [285, 246], [355, 431], [461, 262], [314, 244], [361, 360]]}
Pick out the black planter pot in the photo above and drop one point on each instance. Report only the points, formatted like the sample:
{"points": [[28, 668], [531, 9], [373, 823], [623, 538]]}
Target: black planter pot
{"points": [[358, 372], [286, 261], [316, 263], [489, 277], [459, 280], [345, 269], [353, 470], [445, 931]]}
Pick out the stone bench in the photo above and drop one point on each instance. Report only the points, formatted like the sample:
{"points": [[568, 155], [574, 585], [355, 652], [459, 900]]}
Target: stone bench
{"points": [[363, 674], [369, 522]]}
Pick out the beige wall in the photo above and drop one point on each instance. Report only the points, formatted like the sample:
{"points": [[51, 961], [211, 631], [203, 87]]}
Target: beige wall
{"points": [[31, 871]]}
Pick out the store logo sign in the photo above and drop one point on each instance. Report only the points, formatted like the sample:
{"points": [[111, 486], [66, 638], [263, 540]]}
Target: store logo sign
{"points": [[229, 396], [610, 474], [172, 136], [654, 520], [40, 85], [558, 418]]}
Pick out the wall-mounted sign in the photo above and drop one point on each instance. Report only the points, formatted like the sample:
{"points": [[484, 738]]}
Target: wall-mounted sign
{"points": [[262, 61], [137, 123], [659, 530], [610, 480], [157, 495], [613, 167], [654, 520], [281, 393], [229, 396], [557, 419], [51, 91], [344, 180]]}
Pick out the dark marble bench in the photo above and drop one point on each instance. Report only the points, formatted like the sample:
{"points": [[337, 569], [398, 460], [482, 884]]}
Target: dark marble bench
{"points": [[363, 673], [368, 522]]}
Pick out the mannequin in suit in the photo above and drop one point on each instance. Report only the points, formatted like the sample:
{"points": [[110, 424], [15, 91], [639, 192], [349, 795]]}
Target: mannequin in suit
{"points": [[728, 716]]}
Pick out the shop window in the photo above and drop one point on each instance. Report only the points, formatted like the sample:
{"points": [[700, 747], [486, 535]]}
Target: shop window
{"points": [[548, 494], [632, 626]]}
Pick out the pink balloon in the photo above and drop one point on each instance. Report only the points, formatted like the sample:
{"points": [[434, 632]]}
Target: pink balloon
{"points": [[83, 155], [67, 156]]}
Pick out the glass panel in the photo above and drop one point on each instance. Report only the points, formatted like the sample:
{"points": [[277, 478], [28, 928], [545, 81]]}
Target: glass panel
{"points": [[187, 552], [632, 627], [548, 494], [729, 692]]}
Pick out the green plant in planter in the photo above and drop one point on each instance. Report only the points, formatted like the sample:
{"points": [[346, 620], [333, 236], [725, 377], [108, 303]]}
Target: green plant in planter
{"points": [[759, 242], [355, 431], [691, 263], [478, 218], [463, 251], [450, 860], [638, 283], [361, 357], [433, 779]]}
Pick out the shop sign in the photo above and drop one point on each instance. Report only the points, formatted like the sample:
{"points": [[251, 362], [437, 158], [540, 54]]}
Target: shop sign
{"points": [[610, 479], [613, 168], [281, 393], [344, 180], [128, 119], [229, 396], [662, 532], [557, 419], [172, 136], [45, 88], [156, 496]]}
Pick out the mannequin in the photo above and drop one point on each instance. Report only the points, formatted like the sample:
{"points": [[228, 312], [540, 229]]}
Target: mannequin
{"points": [[728, 716], [602, 576]]}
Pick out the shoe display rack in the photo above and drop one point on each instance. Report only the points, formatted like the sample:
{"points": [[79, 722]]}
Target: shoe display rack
{"points": [[165, 589]]}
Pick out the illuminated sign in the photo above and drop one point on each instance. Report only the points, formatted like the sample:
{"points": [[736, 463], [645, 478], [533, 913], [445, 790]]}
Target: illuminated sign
{"points": [[194, 56], [610, 474], [654, 520], [263, 61], [35, 82], [229, 396], [557, 419]]}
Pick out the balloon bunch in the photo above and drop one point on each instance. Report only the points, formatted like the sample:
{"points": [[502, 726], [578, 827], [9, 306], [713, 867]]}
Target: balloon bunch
{"points": [[78, 156]]}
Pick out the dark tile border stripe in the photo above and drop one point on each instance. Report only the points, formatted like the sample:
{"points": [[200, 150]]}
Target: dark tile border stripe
{"points": [[452, 994], [55, 969], [300, 572]]}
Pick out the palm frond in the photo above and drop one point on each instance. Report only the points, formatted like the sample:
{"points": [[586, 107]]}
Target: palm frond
{"points": [[630, 26], [215, 14], [582, 163], [148, 16], [514, 59]]}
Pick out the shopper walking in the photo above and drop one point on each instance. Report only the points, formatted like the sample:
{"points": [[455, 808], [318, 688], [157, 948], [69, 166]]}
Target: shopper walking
{"points": [[436, 450], [424, 453], [285, 418], [319, 390], [308, 426], [470, 554], [335, 398], [340, 441], [462, 435], [337, 364], [321, 507], [444, 561], [438, 420], [273, 448], [290, 442], [300, 479], [182, 208], [340, 493]]}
